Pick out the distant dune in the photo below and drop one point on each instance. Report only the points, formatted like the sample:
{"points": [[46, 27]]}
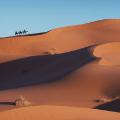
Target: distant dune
{"points": [[60, 40], [75, 67]]}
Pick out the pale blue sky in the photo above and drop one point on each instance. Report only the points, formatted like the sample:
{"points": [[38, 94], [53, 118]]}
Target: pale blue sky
{"points": [[43, 15]]}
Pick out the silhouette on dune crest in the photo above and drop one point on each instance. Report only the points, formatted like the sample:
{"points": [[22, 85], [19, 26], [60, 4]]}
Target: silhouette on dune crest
{"points": [[75, 66]]}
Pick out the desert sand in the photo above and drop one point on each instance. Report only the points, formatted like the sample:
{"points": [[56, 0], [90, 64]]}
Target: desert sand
{"points": [[109, 53], [66, 73], [58, 113]]}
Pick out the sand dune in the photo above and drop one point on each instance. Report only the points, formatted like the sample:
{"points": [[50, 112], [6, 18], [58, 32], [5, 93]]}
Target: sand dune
{"points": [[43, 68], [70, 66], [58, 113], [60, 40], [109, 53]]}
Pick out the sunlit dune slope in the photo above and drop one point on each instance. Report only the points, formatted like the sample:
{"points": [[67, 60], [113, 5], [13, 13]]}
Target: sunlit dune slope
{"points": [[58, 113], [72, 62], [109, 53], [60, 40]]}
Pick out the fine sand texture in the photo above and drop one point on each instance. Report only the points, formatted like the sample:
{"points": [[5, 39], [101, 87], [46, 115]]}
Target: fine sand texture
{"points": [[58, 113]]}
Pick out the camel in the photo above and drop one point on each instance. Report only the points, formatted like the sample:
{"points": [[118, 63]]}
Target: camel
{"points": [[21, 32]]}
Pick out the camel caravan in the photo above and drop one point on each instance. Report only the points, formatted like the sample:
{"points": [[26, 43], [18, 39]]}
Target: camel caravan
{"points": [[24, 32]]}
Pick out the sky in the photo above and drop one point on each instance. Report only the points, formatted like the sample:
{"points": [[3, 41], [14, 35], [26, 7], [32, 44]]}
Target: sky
{"points": [[43, 15]]}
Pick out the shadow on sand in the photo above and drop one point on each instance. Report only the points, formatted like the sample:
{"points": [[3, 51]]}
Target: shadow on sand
{"points": [[41, 69], [110, 106], [8, 103]]}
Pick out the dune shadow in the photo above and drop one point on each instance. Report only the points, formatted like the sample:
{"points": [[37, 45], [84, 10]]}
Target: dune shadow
{"points": [[41, 69], [7, 103], [110, 106]]}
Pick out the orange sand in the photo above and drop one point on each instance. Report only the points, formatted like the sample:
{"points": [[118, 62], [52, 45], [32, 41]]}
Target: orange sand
{"points": [[109, 53], [81, 61], [58, 113]]}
